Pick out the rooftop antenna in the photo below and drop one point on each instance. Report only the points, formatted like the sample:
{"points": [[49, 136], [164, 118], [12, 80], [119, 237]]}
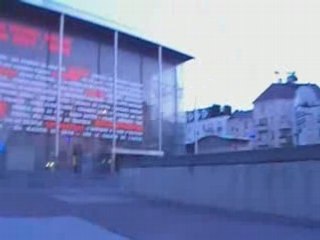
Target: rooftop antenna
{"points": [[291, 78]]}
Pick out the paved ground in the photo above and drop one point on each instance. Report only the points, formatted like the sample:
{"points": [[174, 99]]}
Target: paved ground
{"points": [[94, 210]]}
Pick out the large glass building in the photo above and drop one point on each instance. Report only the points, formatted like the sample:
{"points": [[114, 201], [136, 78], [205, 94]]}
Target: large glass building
{"points": [[69, 79]]}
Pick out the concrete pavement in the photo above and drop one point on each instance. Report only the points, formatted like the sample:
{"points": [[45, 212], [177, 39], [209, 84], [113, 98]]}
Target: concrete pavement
{"points": [[82, 208]]}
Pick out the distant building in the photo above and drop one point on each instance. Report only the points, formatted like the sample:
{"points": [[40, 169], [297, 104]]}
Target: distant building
{"points": [[240, 125], [215, 144], [284, 115], [218, 130], [276, 115], [209, 122], [273, 116]]}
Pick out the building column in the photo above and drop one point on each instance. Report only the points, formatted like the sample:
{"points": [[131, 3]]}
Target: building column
{"points": [[60, 63], [114, 114], [160, 98]]}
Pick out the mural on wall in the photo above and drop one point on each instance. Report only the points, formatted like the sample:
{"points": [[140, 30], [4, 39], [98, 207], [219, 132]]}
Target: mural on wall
{"points": [[29, 86]]}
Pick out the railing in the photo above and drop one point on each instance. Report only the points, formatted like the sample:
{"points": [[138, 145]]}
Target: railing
{"points": [[289, 154]]}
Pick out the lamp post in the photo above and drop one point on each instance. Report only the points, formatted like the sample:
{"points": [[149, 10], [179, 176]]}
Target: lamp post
{"points": [[60, 65], [196, 125], [114, 90]]}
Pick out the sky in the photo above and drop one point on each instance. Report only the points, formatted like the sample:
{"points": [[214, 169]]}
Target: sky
{"points": [[237, 44]]}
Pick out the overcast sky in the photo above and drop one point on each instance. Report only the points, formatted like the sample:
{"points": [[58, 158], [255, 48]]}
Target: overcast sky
{"points": [[238, 44]]}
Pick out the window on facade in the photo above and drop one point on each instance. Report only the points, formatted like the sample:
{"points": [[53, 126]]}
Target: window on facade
{"points": [[246, 125], [263, 122], [285, 132], [259, 137]]}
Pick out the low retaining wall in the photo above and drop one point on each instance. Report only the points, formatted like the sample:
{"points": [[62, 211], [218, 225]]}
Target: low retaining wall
{"points": [[286, 185]]}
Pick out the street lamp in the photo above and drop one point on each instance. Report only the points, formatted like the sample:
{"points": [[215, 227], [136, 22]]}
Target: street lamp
{"points": [[195, 125]]}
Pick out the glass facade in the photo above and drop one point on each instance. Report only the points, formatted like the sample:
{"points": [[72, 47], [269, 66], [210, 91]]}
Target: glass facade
{"points": [[137, 94], [28, 91], [101, 81]]}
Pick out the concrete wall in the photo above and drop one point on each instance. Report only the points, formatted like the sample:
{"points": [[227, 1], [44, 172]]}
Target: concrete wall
{"points": [[289, 189]]}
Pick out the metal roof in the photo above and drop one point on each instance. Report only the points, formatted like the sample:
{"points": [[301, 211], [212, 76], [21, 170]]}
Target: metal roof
{"points": [[277, 91], [241, 114], [86, 16], [283, 91]]}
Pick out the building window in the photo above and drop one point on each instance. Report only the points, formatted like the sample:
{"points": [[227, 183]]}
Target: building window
{"points": [[285, 132], [263, 122]]}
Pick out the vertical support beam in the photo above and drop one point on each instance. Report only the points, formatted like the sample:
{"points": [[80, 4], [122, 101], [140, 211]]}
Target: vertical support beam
{"points": [[160, 98], [114, 115], [61, 34], [176, 132], [196, 135], [176, 95]]}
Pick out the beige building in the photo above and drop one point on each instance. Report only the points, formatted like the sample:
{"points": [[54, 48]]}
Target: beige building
{"points": [[213, 131], [215, 126], [215, 144], [240, 125], [273, 116], [222, 133], [278, 111]]}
